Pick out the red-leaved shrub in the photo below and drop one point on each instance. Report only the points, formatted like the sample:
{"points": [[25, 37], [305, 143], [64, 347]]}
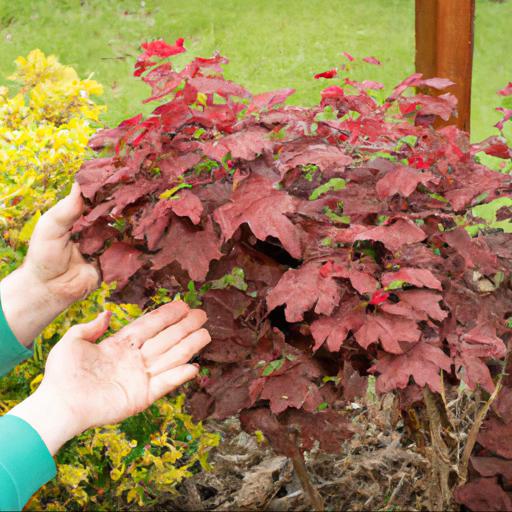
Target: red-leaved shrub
{"points": [[325, 243]]}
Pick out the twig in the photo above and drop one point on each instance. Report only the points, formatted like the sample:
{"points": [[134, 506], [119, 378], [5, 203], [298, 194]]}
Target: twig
{"points": [[315, 500], [395, 492], [475, 428]]}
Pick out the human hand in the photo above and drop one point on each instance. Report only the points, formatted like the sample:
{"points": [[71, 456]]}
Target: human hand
{"points": [[53, 275], [87, 384]]}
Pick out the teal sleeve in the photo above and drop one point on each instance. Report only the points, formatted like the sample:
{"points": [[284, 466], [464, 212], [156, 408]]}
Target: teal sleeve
{"points": [[12, 351], [25, 463]]}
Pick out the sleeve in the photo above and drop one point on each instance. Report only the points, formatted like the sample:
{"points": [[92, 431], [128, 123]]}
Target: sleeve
{"points": [[12, 351], [25, 463]]}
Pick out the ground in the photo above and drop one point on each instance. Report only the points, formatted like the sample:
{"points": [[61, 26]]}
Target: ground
{"points": [[378, 469], [271, 43]]}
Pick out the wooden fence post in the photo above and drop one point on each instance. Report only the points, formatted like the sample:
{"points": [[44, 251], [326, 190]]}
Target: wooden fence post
{"points": [[444, 48]]}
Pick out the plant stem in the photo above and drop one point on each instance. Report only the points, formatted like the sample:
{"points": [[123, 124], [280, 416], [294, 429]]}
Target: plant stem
{"points": [[299, 465]]}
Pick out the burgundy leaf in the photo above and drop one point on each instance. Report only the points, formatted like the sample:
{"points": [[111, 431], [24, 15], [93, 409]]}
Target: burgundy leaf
{"points": [[394, 236], [416, 276], [304, 289], [264, 209], [194, 252], [401, 180], [422, 362], [119, 262], [389, 330]]}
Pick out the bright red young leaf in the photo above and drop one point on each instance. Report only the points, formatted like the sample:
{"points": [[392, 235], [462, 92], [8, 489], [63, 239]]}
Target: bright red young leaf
{"points": [[327, 74]]}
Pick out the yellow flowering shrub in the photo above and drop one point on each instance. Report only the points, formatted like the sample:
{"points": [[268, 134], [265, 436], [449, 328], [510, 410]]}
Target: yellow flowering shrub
{"points": [[44, 129]]}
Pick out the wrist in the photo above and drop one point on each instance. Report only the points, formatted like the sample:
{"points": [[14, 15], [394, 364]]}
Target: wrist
{"points": [[50, 416], [27, 304]]}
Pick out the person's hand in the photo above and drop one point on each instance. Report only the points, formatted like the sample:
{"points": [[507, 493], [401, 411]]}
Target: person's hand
{"points": [[53, 275], [87, 384]]}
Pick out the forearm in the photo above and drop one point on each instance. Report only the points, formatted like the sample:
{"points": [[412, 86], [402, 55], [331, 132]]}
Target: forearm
{"points": [[49, 416], [25, 462], [27, 305]]}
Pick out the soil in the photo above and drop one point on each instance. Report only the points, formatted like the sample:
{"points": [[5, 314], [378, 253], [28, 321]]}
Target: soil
{"points": [[378, 469]]}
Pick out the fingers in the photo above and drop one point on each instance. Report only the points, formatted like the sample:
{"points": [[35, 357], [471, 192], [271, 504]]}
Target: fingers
{"points": [[149, 325], [180, 353], [169, 337], [58, 220], [94, 329], [166, 382]]}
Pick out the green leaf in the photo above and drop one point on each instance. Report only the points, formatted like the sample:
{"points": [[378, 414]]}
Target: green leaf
{"points": [[171, 191], [272, 367], [191, 297], [333, 184], [235, 279], [395, 285], [309, 171], [322, 406]]}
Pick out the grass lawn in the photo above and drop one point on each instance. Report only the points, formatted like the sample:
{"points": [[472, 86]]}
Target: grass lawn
{"points": [[271, 43]]}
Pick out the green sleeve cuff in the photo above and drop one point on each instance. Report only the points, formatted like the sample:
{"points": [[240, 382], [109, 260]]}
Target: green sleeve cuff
{"points": [[12, 352], [25, 462]]}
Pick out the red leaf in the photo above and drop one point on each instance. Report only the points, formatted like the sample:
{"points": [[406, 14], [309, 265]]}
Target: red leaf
{"points": [[188, 205], [401, 180], [333, 91], [437, 83], [220, 86], [290, 390], [492, 436], [119, 262], [194, 253], [152, 224], [494, 146], [475, 251], [507, 90], [264, 209], [302, 289], [424, 301], [267, 100], [483, 494], [379, 297], [326, 157], [389, 330], [327, 74], [246, 144], [372, 60], [333, 330], [160, 48], [507, 115], [422, 362], [492, 466], [394, 236], [348, 56], [421, 278]]}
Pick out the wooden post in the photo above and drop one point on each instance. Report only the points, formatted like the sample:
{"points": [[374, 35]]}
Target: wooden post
{"points": [[444, 48]]}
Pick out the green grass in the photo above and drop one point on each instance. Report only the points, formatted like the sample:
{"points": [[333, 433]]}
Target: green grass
{"points": [[270, 43]]}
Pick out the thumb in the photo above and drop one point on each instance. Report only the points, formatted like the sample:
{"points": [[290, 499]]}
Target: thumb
{"points": [[59, 219], [92, 330]]}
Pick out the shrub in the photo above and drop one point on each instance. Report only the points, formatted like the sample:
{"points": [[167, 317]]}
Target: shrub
{"points": [[44, 130], [325, 243]]}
